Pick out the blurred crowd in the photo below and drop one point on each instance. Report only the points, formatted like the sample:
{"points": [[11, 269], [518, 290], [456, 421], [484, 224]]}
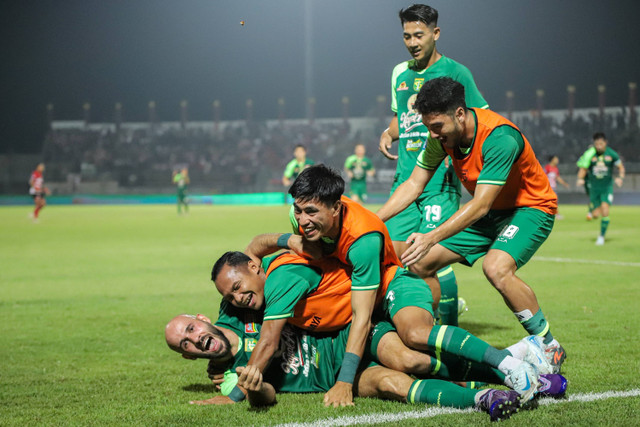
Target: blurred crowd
{"points": [[250, 157]]}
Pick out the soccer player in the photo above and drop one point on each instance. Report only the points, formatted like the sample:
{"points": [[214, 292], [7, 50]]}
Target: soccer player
{"points": [[599, 172], [37, 190], [296, 165], [510, 215], [553, 173], [309, 362], [358, 167], [585, 161], [181, 180], [317, 299], [441, 197]]}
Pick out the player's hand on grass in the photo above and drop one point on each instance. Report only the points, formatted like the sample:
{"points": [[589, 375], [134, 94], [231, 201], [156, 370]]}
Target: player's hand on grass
{"points": [[419, 246], [215, 373], [249, 378], [385, 145], [305, 248], [341, 394], [215, 400]]}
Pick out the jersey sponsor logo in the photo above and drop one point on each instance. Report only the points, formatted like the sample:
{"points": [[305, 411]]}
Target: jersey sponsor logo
{"points": [[417, 84], [403, 86], [464, 173], [250, 328], [414, 145], [315, 322], [250, 344], [292, 358]]}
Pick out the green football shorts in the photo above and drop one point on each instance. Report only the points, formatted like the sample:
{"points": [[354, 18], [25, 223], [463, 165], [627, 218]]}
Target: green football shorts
{"points": [[518, 232]]}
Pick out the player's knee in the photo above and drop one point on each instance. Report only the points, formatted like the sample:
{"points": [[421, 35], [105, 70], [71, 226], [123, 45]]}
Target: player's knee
{"points": [[415, 337], [387, 386], [411, 363], [496, 273], [423, 270]]}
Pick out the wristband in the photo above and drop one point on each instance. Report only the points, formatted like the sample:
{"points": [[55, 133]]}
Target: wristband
{"points": [[349, 368], [236, 394], [283, 241]]}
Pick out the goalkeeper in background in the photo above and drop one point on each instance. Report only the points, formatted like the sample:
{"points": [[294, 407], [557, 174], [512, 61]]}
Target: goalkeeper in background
{"points": [[358, 167], [181, 180]]}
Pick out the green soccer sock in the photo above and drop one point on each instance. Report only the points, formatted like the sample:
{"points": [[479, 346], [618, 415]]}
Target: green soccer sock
{"points": [[441, 393], [536, 324], [604, 224], [448, 306], [457, 369], [458, 342]]}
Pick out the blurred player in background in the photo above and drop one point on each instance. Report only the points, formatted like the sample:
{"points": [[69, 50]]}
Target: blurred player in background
{"points": [[553, 173], [510, 215], [597, 168], [585, 161], [358, 167], [38, 191], [181, 180], [441, 198], [297, 165]]}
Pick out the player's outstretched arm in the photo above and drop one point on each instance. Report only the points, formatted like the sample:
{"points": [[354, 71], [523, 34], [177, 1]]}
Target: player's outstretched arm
{"points": [[263, 245], [267, 344], [387, 137], [341, 394], [406, 193]]}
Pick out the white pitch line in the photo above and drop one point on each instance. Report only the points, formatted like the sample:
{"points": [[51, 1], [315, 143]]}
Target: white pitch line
{"points": [[586, 261], [433, 411]]}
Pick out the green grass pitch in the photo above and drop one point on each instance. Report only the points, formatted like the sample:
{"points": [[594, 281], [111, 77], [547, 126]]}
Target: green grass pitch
{"points": [[86, 293]]}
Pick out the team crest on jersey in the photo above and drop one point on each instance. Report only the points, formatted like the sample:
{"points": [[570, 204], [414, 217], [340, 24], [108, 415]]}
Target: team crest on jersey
{"points": [[250, 328], [463, 173], [250, 344], [403, 86], [417, 84], [608, 158]]}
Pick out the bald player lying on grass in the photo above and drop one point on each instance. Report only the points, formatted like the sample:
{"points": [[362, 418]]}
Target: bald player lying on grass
{"points": [[309, 362]]}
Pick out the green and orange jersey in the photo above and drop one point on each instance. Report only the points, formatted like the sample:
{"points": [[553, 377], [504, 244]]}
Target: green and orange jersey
{"points": [[314, 295], [406, 82], [499, 155], [363, 239]]}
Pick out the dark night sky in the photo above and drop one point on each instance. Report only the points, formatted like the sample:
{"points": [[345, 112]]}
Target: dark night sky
{"points": [[68, 52]]}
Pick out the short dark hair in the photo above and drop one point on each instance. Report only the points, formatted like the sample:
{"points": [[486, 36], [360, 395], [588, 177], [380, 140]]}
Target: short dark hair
{"points": [[300, 146], [599, 135], [419, 13], [318, 182], [441, 96], [551, 157], [232, 259]]}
